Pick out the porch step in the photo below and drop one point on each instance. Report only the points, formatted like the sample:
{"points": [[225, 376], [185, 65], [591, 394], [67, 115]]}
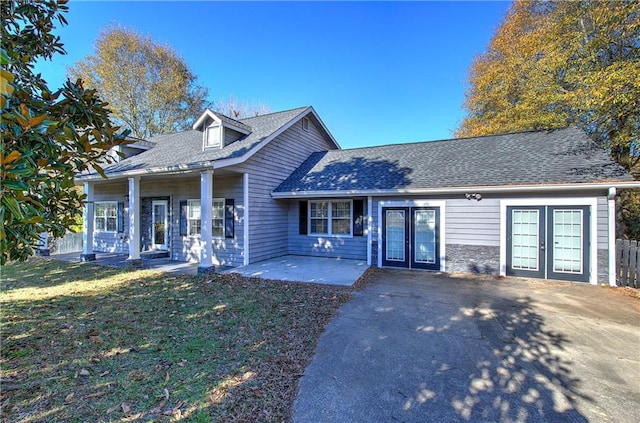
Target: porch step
{"points": [[148, 255]]}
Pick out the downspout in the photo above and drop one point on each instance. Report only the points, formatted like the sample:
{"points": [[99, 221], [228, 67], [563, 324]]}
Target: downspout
{"points": [[369, 227], [611, 220]]}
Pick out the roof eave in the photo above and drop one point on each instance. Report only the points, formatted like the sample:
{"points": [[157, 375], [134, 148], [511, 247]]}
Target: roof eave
{"points": [[455, 190]]}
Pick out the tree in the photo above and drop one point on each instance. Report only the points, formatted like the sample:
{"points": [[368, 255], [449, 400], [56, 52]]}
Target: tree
{"points": [[558, 63], [239, 109], [149, 87], [47, 137]]}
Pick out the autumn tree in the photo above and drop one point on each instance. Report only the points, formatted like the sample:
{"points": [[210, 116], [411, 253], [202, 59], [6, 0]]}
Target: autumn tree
{"points": [[558, 63], [239, 109], [47, 136], [149, 87]]}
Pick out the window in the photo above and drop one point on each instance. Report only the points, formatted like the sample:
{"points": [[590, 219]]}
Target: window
{"points": [[213, 136], [330, 217], [106, 216], [218, 218], [194, 224], [193, 217], [305, 124]]}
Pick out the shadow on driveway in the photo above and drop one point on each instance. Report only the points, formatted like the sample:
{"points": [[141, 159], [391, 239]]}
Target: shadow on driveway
{"points": [[416, 347]]}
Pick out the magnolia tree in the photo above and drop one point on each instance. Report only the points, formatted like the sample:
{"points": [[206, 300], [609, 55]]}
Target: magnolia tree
{"points": [[48, 136]]}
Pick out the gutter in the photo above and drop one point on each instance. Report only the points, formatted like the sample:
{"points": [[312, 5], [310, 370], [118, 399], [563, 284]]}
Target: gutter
{"points": [[456, 190]]}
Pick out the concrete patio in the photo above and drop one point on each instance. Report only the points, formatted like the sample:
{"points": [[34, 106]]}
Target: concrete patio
{"points": [[330, 271]]}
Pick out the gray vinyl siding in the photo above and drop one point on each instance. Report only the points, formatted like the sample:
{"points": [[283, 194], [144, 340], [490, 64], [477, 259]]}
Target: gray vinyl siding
{"points": [[603, 224], [323, 246], [268, 218]]}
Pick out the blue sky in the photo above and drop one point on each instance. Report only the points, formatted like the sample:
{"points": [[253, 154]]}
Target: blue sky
{"points": [[376, 72]]}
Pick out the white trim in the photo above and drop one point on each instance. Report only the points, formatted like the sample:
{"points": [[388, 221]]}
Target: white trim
{"points": [[166, 223], [245, 200], [592, 202], [330, 218], [441, 204], [369, 229], [611, 234], [134, 218], [203, 117], [303, 121], [206, 219], [105, 230], [456, 190]]}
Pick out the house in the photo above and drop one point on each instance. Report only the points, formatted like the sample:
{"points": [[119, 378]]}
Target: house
{"points": [[233, 192]]}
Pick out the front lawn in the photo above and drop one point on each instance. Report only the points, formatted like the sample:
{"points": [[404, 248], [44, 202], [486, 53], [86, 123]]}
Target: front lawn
{"points": [[87, 343]]}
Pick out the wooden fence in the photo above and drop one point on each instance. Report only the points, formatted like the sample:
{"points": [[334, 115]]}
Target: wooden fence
{"points": [[627, 263]]}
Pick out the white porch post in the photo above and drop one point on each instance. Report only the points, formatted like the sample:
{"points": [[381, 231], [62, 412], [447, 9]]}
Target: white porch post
{"points": [[611, 220], [87, 218], [245, 201], [206, 221], [134, 221], [369, 227]]}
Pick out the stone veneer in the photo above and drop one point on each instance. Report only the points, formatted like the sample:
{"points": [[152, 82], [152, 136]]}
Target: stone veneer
{"points": [[473, 259]]}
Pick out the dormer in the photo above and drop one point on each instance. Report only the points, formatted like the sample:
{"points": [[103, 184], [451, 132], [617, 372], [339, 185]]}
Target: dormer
{"points": [[219, 130]]}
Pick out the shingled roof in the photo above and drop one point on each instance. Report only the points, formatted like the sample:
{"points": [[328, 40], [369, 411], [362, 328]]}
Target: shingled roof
{"points": [[558, 156], [185, 148]]}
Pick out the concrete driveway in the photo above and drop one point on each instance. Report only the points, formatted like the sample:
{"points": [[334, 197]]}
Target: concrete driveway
{"points": [[419, 347]]}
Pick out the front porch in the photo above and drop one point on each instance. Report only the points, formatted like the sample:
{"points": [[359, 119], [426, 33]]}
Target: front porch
{"points": [[149, 260]]}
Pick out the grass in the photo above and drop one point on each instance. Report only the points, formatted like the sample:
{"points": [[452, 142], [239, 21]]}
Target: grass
{"points": [[87, 343]]}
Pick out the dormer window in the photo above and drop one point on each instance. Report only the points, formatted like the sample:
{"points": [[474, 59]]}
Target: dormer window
{"points": [[213, 137]]}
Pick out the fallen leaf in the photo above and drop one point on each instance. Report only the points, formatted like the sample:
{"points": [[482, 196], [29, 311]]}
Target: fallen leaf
{"points": [[95, 395], [83, 372], [125, 408], [106, 372], [112, 409], [166, 378], [68, 398]]}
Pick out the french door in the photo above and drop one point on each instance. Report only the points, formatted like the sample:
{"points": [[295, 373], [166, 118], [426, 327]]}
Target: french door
{"points": [[548, 242], [410, 237], [160, 230]]}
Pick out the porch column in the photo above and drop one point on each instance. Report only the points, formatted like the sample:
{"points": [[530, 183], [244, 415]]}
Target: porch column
{"points": [[611, 220], [245, 200], [369, 234], [134, 222], [206, 222], [87, 220]]}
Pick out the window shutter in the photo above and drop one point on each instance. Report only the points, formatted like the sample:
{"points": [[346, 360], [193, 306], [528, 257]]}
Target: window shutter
{"points": [[120, 223], [229, 217], [183, 218], [358, 217], [303, 217]]}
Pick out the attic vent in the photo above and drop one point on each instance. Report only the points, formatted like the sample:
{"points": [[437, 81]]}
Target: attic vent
{"points": [[305, 124], [212, 136]]}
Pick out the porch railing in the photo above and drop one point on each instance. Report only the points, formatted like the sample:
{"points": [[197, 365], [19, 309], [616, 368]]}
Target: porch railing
{"points": [[627, 263]]}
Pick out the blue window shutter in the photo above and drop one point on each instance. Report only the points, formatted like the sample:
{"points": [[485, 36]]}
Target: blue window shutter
{"points": [[358, 217], [303, 217], [183, 218], [120, 223], [229, 217]]}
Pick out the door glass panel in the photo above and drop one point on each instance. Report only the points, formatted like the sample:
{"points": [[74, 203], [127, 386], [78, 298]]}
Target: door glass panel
{"points": [[424, 242], [159, 223], [567, 241], [395, 235], [524, 247]]}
